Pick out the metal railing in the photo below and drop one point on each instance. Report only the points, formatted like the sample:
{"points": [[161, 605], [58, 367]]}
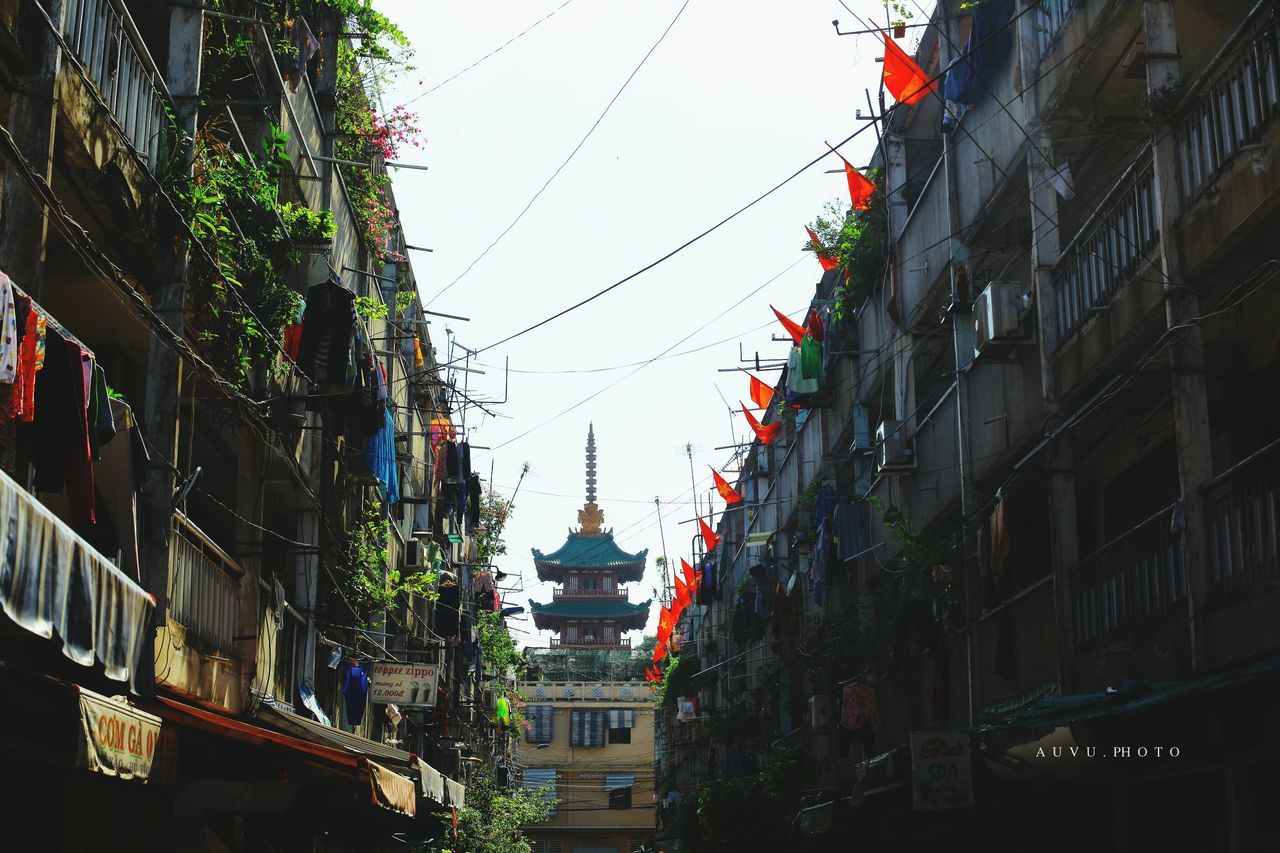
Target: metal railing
{"points": [[108, 45], [1109, 249], [1242, 522], [620, 643], [577, 592], [1241, 95], [1131, 582], [204, 586], [1050, 20]]}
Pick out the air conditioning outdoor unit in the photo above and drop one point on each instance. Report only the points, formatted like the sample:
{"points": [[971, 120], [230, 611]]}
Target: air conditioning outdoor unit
{"points": [[893, 448], [819, 712], [412, 554], [996, 315]]}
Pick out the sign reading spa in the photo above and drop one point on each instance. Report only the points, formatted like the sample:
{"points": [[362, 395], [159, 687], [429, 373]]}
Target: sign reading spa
{"points": [[405, 684], [941, 770], [118, 740]]}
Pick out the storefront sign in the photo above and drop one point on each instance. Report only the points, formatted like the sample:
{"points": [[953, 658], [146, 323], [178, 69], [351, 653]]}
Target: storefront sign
{"points": [[119, 740], [411, 685], [941, 770]]}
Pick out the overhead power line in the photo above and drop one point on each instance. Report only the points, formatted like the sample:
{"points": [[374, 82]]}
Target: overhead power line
{"points": [[567, 160]]}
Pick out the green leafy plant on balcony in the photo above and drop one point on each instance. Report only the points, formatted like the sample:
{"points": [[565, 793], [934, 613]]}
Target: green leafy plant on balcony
{"points": [[1163, 102], [306, 226], [371, 584], [859, 240]]}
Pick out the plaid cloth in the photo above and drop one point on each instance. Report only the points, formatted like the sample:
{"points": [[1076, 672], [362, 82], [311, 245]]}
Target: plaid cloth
{"points": [[537, 777], [622, 718], [586, 728], [540, 729]]}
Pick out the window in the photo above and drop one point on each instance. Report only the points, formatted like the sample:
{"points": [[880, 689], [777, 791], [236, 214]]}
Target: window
{"points": [[546, 845], [540, 727], [619, 735], [618, 787], [621, 721], [586, 728]]}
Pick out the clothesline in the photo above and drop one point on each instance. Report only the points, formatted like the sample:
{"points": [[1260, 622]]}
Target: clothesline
{"points": [[51, 321]]}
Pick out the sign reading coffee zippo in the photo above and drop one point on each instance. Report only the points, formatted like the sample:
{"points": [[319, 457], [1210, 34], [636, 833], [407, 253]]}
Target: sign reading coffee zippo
{"points": [[941, 770], [403, 683]]}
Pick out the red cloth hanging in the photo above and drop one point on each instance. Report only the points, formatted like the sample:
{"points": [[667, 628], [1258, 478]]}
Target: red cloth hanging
{"points": [[814, 325]]}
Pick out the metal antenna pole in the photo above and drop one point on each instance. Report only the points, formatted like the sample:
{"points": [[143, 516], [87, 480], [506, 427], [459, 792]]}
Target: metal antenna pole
{"points": [[666, 565], [693, 484]]}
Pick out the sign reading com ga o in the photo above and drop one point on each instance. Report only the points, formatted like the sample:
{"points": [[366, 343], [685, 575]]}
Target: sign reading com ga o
{"points": [[118, 740], [411, 685]]}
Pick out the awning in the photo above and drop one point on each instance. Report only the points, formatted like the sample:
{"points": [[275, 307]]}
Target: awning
{"points": [[53, 583], [755, 540], [614, 781], [278, 717], [119, 740], [432, 783], [390, 790]]}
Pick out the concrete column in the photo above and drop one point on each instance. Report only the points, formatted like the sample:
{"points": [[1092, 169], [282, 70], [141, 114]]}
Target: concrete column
{"points": [[33, 112], [1186, 346], [248, 536], [164, 371]]}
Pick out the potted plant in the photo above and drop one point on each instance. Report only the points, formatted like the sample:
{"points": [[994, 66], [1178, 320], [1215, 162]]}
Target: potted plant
{"points": [[307, 228]]}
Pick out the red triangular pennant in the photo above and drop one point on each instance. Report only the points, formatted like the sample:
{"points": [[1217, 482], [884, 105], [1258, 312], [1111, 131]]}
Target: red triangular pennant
{"points": [[828, 261], [905, 80], [709, 537], [766, 434], [726, 491], [794, 329]]}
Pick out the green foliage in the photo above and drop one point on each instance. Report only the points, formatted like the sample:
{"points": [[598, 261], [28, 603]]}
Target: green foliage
{"points": [[306, 225], [375, 28], [859, 240], [1162, 103], [494, 512], [748, 812], [371, 307], [372, 584], [500, 650], [491, 819]]}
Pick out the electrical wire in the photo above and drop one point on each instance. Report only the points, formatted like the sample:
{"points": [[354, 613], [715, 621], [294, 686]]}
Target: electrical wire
{"points": [[567, 160], [491, 53]]}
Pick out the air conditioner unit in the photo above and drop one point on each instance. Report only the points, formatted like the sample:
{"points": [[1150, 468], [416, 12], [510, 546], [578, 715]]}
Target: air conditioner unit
{"points": [[488, 700], [412, 554], [819, 712], [893, 448], [996, 315], [861, 422]]}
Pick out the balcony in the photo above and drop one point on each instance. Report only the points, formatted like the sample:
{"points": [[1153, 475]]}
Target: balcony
{"points": [[1049, 19], [204, 586], [620, 643], [1242, 523], [1130, 584], [108, 46], [1109, 250], [577, 594], [1241, 99]]}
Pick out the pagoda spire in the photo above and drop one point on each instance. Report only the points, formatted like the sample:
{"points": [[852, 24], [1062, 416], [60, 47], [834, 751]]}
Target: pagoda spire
{"points": [[591, 517]]}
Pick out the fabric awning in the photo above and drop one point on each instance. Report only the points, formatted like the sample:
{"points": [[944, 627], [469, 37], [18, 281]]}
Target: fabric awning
{"points": [[432, 781], [614, 781], [390, 790], [53, 583], [278, 717]]}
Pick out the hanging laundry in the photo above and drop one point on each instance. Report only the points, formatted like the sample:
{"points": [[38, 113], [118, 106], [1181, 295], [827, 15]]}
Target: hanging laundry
{"points": [[851, 521], [799, 387], [858, 708], [419, 360], [813, 324], [102, 426], [8, 331], [59, 434], [31, 351], [445, 610], [811, 366], [328, 324], [355, 690], [473, 501], [293, 335], [304, 46], [380, 457], [1000, 542]]}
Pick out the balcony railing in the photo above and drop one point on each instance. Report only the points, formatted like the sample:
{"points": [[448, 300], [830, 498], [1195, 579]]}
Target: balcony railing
{"points": [[204, 586], [1130, 583], [107, 44], [621, 643], [1109, 250], [1050, 20], [1242, 521], [589, 593], [1235, 108]]}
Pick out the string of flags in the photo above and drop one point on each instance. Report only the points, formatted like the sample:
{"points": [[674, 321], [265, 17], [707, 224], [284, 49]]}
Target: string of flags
{"points": [[908, 83]]}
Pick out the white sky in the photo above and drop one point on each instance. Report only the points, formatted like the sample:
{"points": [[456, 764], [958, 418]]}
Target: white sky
{"points": [[736, 98]]}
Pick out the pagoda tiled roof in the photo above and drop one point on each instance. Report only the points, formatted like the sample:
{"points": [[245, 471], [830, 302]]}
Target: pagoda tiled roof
{"points": [[588, 552]]}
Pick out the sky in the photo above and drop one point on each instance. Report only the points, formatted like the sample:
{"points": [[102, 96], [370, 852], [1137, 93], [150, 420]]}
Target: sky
{"points": [[737, 97]]}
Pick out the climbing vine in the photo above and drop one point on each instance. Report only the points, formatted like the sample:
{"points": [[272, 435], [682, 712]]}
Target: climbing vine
{"points": [[373, 585], [859, 240]]}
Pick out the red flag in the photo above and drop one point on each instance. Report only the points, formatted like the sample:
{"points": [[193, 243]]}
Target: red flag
{"points": [[828, 261], [690, 576], [905, 80], [761, 393], [726, 491], [860, 189], [659, 650], [793, 328], [766, 434], [682, 593], [709, 537], [814, 325]]}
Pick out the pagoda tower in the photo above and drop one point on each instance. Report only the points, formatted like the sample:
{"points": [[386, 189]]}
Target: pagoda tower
{"points": [[590, 609]]}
